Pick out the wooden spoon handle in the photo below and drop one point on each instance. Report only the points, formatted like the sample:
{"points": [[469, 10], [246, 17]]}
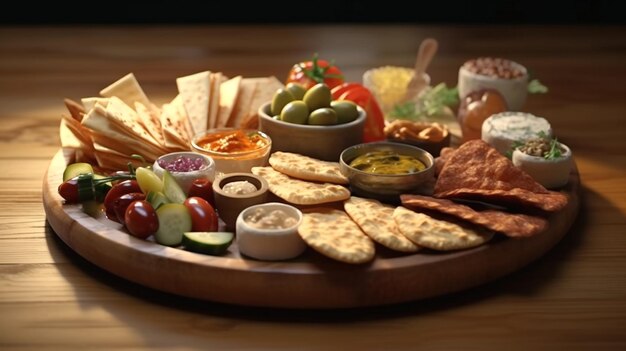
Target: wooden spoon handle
{"points": [[426, 52]]}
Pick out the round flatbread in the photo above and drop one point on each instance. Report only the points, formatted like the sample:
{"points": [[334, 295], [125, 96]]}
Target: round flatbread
{"points": [[332, 233], [376, 220], [436, 234], [307, 168]]}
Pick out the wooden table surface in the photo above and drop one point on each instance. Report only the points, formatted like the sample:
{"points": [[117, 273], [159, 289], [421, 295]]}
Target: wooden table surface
{"points": [[50, 298]]}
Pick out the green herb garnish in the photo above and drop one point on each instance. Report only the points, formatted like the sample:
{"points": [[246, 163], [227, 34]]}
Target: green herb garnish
{"points": [[555, 150], [431, 102], [535, 87]]}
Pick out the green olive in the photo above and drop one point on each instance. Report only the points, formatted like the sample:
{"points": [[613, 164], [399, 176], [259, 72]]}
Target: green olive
{"points": [[297, 90], [281, 98], [317, 97], [277, 117], [323, 116], [295, 112], [346, 111]]}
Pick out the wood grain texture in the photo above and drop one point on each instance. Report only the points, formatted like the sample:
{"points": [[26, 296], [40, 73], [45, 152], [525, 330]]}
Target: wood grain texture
{"points": [[572, 298]]}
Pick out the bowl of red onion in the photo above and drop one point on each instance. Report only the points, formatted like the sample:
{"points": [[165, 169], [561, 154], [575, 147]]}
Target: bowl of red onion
{"points": [[185, 167]]}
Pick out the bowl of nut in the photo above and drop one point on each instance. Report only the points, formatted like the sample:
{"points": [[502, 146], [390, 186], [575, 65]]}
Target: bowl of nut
{"points": [[507, 77], [430, 136]]}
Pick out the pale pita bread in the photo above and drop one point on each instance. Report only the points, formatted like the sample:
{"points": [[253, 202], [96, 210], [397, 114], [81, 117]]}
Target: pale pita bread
{"points": [[127, 89], [332, 233], [196, 90], [90, 102], [247, 87], [150, 122], [229, 90], [376, 220], [127, 119], [214, 99], [307, 168], [75, 109], [175, 124], [301, 192], [263, 92], [437, 234]]}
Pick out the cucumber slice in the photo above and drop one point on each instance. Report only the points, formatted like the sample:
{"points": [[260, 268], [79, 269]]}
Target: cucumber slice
{"points": [[75, 169], [174, 220], [210, 243], [157, 199], [171, 189]]}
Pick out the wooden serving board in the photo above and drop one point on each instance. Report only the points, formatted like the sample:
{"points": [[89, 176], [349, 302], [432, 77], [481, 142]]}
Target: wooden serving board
{"points": [[311, 281]]}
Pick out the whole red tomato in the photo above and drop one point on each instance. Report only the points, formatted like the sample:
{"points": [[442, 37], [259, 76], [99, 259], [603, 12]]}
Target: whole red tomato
{"points": [[309, 73], [141, 219], [125, 187], [203, 216]]}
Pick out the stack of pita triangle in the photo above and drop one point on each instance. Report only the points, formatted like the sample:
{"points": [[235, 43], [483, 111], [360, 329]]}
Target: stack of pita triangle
{"points": [[121, 122]]}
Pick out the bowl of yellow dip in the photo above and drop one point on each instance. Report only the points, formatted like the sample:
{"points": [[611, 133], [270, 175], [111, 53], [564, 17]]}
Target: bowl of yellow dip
{"points": [[384, 170]]}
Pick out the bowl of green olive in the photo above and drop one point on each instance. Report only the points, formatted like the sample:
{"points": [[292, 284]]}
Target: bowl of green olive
{"points": [[310, 123]]}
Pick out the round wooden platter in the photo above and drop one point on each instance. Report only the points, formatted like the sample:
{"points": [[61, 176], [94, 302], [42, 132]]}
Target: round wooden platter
{"points": [[311, 281]]}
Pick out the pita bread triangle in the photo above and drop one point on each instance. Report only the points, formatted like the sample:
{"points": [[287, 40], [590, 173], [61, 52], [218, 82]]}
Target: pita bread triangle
{"points": [[128, 120], [127, 89], [175, 124], [214, 99], [195, 92], [150, 122], [229, 90], [264, 91]]}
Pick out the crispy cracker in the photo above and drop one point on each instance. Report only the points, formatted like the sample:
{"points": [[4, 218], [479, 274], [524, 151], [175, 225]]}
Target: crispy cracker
{"points": [[307, 168], [510, 224], [332, 233], [150, 122], [176, 128], [437, 234], [301, 192], [477, 170], [75, 109], [376, 220]]}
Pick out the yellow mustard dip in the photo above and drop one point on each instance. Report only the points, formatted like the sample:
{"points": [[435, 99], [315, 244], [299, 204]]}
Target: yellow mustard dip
{"points": [[387, 162]]}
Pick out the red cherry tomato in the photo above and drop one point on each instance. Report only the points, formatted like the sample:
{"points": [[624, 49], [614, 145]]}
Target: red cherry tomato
{"points": [[69, 191], [202, 188], [121, 204], [203, 216], [141, 219], [375, 124], [309, 73], [125, 187]]}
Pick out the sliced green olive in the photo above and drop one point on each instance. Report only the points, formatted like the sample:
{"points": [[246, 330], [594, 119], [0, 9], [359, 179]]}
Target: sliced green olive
{"points": [[346, 111], [317, 97], [323, 116], [295, 112], [296, 90], [281, 98]]}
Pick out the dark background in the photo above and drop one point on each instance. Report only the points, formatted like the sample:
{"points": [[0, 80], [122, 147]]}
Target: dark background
{"points": [[310, 11]]}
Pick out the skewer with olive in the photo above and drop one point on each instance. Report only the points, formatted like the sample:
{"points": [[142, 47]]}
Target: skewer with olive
{"points": [[295, 104]]}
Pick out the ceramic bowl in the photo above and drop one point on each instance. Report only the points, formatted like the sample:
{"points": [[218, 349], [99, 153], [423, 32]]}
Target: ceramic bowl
{"points": [[552, 173], [184, 179], [514, 90], [387, 187], [229, 205], [238, 161], [321, 142], [270, 244]]}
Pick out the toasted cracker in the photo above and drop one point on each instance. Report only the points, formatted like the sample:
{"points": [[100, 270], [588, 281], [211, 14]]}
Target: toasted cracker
{"points": [[376, 220], [150, 122], [307, 168], [477, 170], [510, 224], [437, 234], [176, 127], [301, 192], [332, 233]]}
